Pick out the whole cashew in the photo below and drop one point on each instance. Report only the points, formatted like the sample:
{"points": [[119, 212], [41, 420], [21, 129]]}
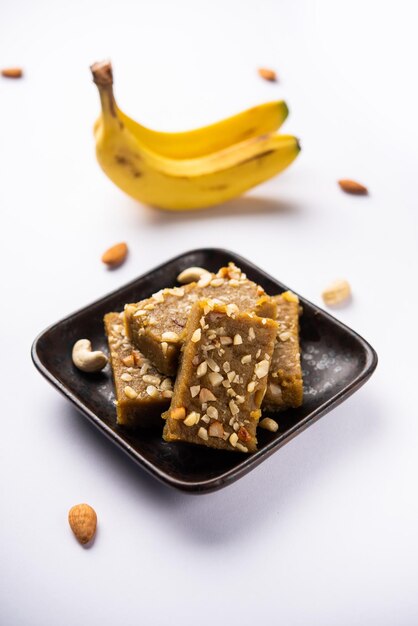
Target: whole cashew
{"points": [[192, 274], [86, 360]]}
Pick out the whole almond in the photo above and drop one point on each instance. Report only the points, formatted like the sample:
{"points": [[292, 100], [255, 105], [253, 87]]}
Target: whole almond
{"points": [[267, 74], [353, 187], [83, 521], [115, 255], [12, 72]]}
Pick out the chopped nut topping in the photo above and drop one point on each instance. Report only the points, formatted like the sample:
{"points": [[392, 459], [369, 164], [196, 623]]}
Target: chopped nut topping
{"points": [[194, 390], [205, 418], [233, 440], [130, 393], [237, 340], [205, 280], [202, 369], [152, 380], [192, 419], [196, 335], [153, 391], [164, 346], [233, 408], [226, 384], [159, 296], [212, 411], [226, 341], [262, 368], [178, 414], [129, 360], [203, 433], [268, 424], [289, 296], [246, 359], [240, 447], [231, 376], [213, 365], [240, 399], [231, 309], [206, 395], [217, 282], [216, 429], [215, 378], [275, 390], [284, 336], [126, 377], [231, 392], [150, 306], [251, 386], [139, 313], [251, 334], [170, 336], [243, 434], [166, 384], [258, 353], [226, 367]]}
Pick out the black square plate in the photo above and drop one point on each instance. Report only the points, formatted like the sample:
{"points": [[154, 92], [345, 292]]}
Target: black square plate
{"points": [[336, 362]]}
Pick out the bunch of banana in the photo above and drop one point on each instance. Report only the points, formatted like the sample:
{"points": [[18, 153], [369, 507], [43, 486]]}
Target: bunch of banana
{"points": [[195, 169]]}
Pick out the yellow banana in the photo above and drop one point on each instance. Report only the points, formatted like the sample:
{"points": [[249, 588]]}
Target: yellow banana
{"points": [[258, 120], [182, 183]]}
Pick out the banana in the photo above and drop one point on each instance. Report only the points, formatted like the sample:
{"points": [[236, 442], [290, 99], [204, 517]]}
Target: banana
{"points": [[253, 122], [130, 157]]}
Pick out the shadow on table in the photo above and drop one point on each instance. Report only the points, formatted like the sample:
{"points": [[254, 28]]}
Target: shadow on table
{"points": [[242, 508], [244, 206]]}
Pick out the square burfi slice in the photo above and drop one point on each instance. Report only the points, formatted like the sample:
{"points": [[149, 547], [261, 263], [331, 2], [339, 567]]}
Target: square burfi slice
{"points": [[285, 383], [222, 378], [157, 325], [142, 393]]}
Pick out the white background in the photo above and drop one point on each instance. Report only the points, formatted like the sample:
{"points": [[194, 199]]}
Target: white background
{"points": [[325, 531]]}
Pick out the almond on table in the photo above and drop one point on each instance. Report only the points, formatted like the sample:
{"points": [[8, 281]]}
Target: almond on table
{"points": [[353, 187], [222, 378]]}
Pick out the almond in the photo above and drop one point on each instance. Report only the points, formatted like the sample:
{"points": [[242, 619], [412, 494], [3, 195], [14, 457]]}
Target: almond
{"points": [[115, 255], [83, 522], [267, 74], [12, 72], [351, 186]]}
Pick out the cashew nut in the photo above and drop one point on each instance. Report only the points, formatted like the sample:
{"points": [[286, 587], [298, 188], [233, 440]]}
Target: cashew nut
{"points": [[191, 274], [86, 360]]}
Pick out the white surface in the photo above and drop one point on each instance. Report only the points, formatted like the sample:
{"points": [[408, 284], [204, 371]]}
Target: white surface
{"points": [[323, 533]]}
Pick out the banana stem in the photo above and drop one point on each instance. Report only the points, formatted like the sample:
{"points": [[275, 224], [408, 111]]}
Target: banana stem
{"points": [[103, 78]]}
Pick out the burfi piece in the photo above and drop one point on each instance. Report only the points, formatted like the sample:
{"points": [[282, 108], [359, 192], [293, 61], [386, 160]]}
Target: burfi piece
{"points": [[285, 384], [142, 393], [222, 378], [157, 325]]}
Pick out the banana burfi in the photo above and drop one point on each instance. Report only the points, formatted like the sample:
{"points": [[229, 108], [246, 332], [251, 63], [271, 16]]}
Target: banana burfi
{"points": [[157, 325], [285, 384], [142, 393], [222, 378]]}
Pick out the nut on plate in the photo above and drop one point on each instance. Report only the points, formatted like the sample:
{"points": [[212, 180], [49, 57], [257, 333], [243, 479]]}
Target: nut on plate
{"points": [[192, 274], [268, 424], [83, 521], [85, 359]]}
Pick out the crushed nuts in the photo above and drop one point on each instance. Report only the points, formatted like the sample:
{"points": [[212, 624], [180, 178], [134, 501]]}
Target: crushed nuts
{"points": [[337, 293]]}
